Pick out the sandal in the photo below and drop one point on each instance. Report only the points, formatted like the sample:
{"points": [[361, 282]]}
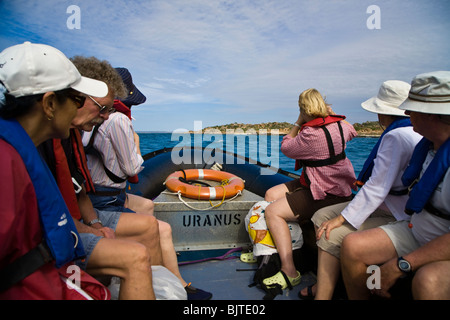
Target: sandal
{"points": [[282, 280], [309, 293], [248, 257]]}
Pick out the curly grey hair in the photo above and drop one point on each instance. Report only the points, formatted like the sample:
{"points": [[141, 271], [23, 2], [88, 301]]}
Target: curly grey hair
{"points": [[94, 68]]}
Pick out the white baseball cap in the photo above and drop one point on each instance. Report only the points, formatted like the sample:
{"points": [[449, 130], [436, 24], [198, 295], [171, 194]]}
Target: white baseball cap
{"points": [[28, 69], [391, 94], [430, 93]]}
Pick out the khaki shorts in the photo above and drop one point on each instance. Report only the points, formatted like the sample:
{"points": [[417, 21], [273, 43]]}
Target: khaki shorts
{"points": [[333, 244], [401, 236], [302, 202]]}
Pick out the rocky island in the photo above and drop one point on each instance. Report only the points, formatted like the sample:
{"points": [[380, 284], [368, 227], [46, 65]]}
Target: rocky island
{"points": [[366, 129]]}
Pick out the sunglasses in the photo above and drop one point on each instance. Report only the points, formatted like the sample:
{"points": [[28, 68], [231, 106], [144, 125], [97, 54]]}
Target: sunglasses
{"points": [[79, 100], [103, 109]]}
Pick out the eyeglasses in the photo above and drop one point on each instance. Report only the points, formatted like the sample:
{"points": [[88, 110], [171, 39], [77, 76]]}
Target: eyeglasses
{"points": [[79, 100], [103, 109]]}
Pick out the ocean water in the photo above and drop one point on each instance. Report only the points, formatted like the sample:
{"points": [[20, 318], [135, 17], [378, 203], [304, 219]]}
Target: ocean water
{"points": [[252, 146]]}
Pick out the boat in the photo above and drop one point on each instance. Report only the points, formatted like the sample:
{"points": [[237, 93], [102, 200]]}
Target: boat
{"points": [[209, 236]]}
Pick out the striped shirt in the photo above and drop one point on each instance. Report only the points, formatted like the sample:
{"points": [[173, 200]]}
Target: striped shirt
{"points": [[310, 144], [115, 142]]}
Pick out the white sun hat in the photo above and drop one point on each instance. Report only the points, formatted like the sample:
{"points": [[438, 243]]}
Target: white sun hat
{"points": [[29, 69], [430, 93], [391, 94]]}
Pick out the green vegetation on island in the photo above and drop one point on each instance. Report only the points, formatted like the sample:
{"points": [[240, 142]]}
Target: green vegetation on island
{"points": [[366, 129]]}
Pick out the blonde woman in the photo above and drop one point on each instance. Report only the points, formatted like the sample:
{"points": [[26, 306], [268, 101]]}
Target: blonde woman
{"points": [[317, 141]]}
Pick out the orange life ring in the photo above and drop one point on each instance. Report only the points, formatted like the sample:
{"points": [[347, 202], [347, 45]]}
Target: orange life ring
{"points": [[231, 184]]}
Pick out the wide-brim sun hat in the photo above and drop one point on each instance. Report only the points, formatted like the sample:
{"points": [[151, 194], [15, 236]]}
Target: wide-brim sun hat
{"points": [[30, 69], [391, 95], [135, 97], [430, 93]]}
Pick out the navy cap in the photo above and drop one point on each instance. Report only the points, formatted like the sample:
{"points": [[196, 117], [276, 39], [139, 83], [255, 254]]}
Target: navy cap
{"points": [[135, 97]]}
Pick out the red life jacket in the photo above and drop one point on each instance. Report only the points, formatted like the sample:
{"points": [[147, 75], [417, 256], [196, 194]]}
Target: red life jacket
{"points": [[122, 108], [64, 179], [322, 123], [80, 158]]}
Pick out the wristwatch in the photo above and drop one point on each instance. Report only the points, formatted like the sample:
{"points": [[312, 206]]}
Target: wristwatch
{"points": [[94, 221], [404, 265]]}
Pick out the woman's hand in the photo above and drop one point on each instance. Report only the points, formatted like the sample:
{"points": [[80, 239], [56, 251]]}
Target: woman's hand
{"points": [[301, 120], [330, 111], [329, 225]]}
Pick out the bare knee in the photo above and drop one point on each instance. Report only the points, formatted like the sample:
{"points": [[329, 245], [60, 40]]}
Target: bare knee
{"points": [[152, 225], [149, 206], [269, 196], [137, 258], [146, 206], [269, 213], [350, 247], [165, 230], [428, 282]]}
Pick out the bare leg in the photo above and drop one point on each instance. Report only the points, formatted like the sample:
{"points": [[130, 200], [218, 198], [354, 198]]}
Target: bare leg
{"points": [[432, 281], [328, 270], [128, 260], [168, 253], [170, 260], [360, 250], [139, 204], [276, 192], [144, 229], [277, 214]]}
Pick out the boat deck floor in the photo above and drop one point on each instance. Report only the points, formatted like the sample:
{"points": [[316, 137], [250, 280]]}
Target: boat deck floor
{"points": [[230, 279]]}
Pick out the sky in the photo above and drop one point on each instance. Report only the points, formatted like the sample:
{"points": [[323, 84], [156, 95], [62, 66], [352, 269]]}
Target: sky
{"points": [[218, 62]]}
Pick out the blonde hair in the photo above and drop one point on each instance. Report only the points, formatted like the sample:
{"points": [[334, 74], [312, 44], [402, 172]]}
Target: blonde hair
{"points": [[101, 70], [313, 104]]}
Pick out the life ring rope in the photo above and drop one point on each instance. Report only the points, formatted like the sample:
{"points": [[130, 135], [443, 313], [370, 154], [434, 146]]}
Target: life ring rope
{"points": [[203, 209], [186, 182]]}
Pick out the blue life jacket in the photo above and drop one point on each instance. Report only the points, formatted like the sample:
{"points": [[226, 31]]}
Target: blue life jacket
{"points": [[366, 171], [433, 175], [59, 230]]}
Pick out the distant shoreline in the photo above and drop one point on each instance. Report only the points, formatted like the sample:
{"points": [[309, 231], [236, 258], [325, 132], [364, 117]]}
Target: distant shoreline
{"points": [[369, 129], [360, 134]]}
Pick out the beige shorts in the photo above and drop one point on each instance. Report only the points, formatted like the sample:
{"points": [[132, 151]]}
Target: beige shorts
{"points": [[401, 236], [333, 244]]}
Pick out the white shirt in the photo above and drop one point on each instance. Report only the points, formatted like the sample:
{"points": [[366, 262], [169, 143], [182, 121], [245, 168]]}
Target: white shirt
{"points": [[115, 142], [392, 158]]}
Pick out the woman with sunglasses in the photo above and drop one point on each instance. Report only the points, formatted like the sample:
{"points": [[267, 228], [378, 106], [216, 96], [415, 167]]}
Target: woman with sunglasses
{"points": [[40, 91]]}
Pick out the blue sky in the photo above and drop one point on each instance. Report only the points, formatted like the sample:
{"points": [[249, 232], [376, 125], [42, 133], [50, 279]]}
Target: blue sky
{"points": [[244, 61]]}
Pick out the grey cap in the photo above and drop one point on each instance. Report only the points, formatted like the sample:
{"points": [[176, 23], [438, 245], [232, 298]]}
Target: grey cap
{"points": [[430, 93]]}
